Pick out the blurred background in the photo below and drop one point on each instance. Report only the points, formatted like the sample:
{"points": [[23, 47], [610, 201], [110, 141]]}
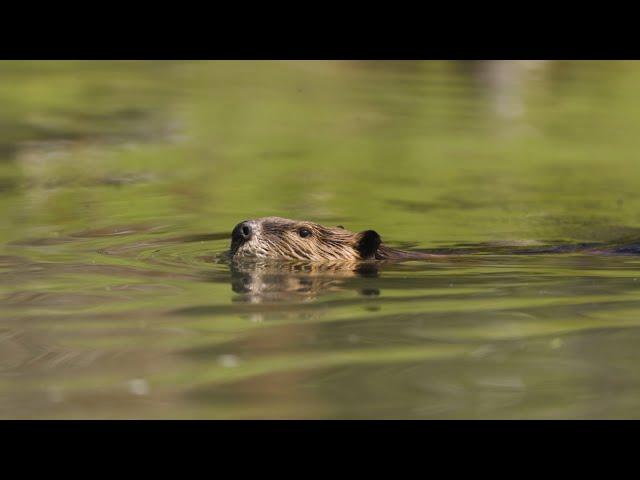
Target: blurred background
{"points": [[120, 183]]}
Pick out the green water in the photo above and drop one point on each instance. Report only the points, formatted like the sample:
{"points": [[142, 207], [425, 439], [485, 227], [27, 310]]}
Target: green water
{"points": [[120, 184]]}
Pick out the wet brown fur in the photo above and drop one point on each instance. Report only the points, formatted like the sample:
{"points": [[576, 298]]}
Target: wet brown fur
{"points": [[279, 238]]}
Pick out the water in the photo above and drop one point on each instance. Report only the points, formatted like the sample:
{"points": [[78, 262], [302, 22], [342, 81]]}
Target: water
{"points": [[120, 183]]}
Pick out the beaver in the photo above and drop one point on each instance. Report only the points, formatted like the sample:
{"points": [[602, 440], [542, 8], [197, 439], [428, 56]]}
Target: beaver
{"points": [[286, 239], [295, 240]]}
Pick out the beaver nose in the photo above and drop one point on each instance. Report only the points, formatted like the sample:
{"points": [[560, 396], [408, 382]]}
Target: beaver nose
{"points": [[242, 232]]}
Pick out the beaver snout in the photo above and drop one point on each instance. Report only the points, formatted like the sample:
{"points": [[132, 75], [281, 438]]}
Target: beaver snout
{"points": [[242, 232]]}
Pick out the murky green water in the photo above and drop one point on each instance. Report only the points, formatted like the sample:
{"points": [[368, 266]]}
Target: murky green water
{"points": [[120, 183]]}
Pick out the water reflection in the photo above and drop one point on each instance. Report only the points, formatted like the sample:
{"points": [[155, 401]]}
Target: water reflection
{"points": [[260, 281]]}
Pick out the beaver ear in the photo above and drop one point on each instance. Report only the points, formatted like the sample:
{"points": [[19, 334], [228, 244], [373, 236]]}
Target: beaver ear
{"points": [[368, 243]]}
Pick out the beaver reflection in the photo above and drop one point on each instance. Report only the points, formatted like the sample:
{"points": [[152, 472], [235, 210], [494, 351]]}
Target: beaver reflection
{"points": [[260, 281]]}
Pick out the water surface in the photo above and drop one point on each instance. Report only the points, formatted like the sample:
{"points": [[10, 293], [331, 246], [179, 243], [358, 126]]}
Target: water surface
{"points": [[121, 181]]}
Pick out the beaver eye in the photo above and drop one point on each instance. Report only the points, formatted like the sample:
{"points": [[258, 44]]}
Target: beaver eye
{"points": [[304, 232]]}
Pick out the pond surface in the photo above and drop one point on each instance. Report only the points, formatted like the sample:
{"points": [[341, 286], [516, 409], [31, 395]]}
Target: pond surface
{"points": [[120, 183]]}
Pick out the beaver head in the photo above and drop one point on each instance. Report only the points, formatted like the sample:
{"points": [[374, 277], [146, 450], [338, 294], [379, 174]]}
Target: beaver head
{"points": [[281, 238]]}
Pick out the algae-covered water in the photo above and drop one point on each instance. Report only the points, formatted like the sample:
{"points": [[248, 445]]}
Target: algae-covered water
{"points": [[120, 183]]}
